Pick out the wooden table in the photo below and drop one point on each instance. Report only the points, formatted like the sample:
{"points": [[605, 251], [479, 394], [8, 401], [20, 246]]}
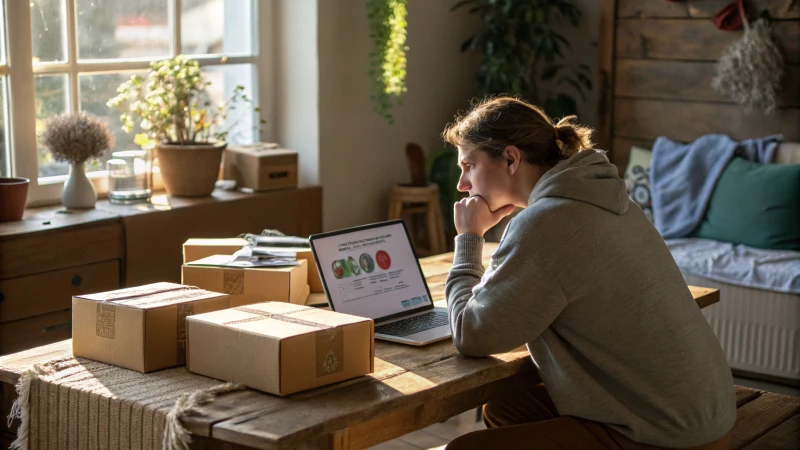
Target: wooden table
{"points": [[411, 388]]}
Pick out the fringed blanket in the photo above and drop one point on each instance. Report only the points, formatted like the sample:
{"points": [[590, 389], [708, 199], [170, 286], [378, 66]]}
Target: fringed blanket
{"points": [[77, 403]]}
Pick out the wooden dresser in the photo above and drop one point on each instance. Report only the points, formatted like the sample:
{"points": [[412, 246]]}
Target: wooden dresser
{"points": [[52, 254]]}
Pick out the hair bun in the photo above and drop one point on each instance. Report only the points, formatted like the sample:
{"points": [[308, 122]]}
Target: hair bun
{"points": [[572, 138]]}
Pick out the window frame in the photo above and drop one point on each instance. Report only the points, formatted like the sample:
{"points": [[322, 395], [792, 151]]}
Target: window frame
{"points": [[20, 72]]}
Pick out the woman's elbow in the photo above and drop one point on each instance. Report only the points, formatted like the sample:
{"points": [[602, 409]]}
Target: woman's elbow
{"points": [[470, 347]]}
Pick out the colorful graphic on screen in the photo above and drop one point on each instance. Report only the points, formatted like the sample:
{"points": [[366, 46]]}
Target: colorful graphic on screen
{"points": [[351, 262], [341, 269], [366, 262], [383, 259]]}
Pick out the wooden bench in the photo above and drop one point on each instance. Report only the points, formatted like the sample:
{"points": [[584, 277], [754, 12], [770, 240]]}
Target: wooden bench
{"points": [[765, 420]]}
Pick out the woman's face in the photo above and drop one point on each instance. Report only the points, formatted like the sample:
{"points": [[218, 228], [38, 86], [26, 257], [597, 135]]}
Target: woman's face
{"points": [[485, 176]]}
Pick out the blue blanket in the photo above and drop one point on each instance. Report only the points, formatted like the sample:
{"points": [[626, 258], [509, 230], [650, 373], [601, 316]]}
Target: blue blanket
{"points": [[683, 176]]}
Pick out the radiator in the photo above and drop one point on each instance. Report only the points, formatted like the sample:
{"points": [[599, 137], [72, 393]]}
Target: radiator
{"points": [[759, 330]]}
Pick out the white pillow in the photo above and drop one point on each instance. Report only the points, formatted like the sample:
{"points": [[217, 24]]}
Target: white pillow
{"points": [[788, 153], [637, 179]]}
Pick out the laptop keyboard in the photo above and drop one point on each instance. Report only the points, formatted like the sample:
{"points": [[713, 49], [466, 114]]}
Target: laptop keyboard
{"points": [[407, 327]]}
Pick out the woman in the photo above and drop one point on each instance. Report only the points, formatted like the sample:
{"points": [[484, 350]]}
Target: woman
{"points": [[582, 277]]}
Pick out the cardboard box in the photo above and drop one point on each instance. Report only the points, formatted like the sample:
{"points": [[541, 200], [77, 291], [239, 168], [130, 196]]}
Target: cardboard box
{"points": [[141, 328], [280, 348], [195, 249], [246, 285], [260, 168], [314, 280], [317, 299]]}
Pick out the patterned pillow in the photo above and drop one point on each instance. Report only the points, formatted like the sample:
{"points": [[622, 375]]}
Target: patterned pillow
{"points": [[637, 179]]}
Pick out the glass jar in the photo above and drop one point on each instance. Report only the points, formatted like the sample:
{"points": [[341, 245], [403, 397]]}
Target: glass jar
{"points": [[130, 176]]}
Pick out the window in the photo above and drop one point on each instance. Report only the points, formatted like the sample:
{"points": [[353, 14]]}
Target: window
{"points": [[5, 154], [81, 50]]}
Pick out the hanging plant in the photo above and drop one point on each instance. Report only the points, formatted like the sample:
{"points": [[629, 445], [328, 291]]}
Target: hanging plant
{"points": [[387, 60]]}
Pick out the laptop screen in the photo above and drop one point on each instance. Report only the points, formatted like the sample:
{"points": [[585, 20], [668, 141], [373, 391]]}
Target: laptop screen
{"points": [[371, 271]]}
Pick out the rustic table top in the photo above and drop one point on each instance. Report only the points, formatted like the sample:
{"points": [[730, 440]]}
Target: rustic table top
{"points": [[410, 388]]}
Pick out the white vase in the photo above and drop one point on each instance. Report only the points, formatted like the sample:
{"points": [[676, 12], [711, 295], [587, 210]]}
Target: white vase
{"points": [[78, 190]]}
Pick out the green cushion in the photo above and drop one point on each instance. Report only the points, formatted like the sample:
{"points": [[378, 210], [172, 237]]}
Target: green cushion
{"points": [[757, 205]]}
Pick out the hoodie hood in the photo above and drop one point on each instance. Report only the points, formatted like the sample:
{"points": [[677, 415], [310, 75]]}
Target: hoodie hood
{"points": [[587, 177]]}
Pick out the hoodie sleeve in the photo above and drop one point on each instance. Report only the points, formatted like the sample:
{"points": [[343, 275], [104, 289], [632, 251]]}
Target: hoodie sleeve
{"points": [[506, 307]]}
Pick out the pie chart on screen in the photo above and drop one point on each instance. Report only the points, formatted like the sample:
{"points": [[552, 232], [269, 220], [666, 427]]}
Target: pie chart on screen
{"points": [[383, 260]]}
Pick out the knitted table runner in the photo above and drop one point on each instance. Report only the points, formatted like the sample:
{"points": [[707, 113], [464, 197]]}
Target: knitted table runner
{"points": [[77, 403]]}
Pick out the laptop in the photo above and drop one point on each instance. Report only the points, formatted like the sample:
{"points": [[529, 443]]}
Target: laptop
{"points": [[372, 271]]}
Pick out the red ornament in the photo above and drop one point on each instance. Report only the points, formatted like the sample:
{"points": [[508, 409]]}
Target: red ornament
{"points": [[383, 260], [731, 17]]}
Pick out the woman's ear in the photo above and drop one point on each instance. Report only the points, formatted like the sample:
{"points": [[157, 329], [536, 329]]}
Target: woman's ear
{"points": [[513, 158]]}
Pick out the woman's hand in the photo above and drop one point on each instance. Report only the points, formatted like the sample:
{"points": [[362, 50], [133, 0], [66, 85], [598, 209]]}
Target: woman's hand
{"points": [[472, 215]]}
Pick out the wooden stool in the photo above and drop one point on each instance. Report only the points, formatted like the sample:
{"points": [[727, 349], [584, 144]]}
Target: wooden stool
{"points": [[420, 200]]}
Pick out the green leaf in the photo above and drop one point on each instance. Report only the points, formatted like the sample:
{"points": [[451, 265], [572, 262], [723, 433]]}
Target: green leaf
{"points": [[468, 44], [584, 80], [463, 3], [574, 84], [550, 72], [559, 106]]}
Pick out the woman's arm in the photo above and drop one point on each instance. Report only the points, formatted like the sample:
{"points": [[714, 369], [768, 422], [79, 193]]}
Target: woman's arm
{"points": [[508, 306]]}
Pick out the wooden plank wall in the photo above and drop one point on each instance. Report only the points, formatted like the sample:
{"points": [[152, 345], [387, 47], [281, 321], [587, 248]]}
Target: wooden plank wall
{"points": [[657, 62]]}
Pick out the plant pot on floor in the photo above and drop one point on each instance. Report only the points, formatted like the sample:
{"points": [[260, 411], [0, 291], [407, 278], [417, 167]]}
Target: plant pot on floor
{"points": [[13, 193], [190, 170], [78, 191]]}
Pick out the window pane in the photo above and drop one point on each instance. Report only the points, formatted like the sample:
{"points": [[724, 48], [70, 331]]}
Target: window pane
{"points": [[95, 91], [203, 32], [2, 32], [5, 157], [50, 99], [224, 80], [123, 29], [48, 30]]}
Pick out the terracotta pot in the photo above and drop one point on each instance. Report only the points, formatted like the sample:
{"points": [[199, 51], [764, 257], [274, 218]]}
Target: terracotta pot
{"points": [[13, 193], [189, 170]]}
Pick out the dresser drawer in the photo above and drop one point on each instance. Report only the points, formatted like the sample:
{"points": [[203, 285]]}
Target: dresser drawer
{"points": [[33, 332], [33, 253], [48, 292]]}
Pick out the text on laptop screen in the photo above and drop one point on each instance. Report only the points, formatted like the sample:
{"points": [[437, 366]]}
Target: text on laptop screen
{"points": [[372, 272]]}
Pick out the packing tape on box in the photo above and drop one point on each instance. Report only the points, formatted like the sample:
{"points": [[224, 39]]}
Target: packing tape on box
{"points": [[233, 282], [142, 291], [105, 321], [329, 340], [184, 310]]}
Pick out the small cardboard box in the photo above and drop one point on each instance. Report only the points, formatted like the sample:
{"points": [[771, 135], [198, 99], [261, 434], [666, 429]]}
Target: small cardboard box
{"points": [[249, 285], [314, 280], [141, 328], [260, 168], [280, 348], [195, 249]]}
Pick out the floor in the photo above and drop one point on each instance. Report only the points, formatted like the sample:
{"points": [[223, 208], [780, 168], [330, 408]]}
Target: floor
{"points": [[435, 437]]}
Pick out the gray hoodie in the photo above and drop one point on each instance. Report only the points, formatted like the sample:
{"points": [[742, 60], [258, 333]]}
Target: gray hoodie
{"points": [[584, 279]]}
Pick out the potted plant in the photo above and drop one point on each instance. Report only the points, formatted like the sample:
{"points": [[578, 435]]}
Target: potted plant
{"points": [[173, 109], [75, 138], [522, 52]]}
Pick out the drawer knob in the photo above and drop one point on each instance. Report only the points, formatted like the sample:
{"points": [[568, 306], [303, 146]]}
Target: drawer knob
{"points": [[76, 280]]}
